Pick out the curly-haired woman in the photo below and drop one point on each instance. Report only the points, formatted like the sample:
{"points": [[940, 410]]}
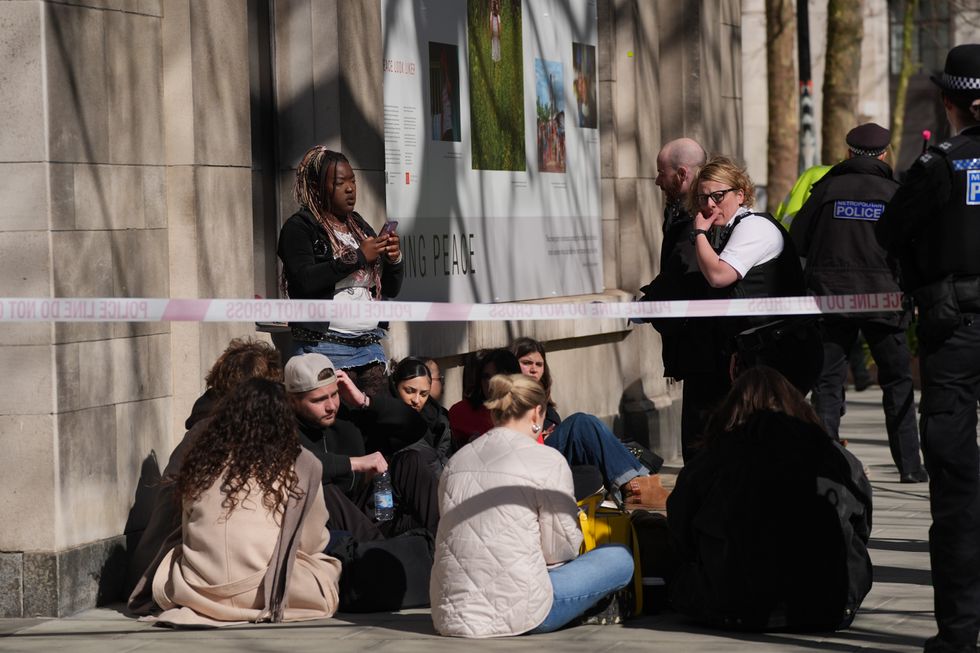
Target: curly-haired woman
{"points": [[253, 522]]}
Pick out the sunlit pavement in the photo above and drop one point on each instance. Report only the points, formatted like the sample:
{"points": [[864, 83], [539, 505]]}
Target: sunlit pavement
{"points": [[896, 615]]}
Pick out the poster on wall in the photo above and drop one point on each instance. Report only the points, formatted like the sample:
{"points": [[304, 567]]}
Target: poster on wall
{"points": [[492, 147]]}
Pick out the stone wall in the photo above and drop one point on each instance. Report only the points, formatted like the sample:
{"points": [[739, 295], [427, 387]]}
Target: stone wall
{"points": [[148, 150], [125, 153]]}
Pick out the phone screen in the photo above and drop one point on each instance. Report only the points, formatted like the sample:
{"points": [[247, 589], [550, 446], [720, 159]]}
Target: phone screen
{"points": [[389, 227]]}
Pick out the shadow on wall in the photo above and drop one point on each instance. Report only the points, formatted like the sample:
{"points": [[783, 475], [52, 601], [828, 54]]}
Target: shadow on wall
{"points": [[147, 489], [303, 107]]}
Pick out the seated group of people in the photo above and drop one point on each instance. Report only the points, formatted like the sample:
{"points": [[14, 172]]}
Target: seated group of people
{"points": [[277, 467]]}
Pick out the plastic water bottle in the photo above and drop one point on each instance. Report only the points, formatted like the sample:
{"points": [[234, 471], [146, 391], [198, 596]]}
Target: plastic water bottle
{"points": [[384, 502]]}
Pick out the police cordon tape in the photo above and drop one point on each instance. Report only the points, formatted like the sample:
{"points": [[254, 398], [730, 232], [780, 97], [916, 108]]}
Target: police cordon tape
{"points": [[114, 309]]}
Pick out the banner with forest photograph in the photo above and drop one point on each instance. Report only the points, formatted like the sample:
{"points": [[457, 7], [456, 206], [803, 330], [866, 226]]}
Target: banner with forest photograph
{"points": [[492, 147]]}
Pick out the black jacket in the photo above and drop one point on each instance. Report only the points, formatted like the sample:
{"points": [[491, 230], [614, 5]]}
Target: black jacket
{"points": [[769, 525], [687, 342], [834, 231], [334, 445], [202, 408], [389, 425], [308, 264], [928, 225]]}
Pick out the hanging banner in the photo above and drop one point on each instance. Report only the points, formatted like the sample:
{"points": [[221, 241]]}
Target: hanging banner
{"points": [[492, 147]]}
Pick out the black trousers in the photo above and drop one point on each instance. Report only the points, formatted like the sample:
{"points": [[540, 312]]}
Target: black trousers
{"points": [[951, 389], [415, 487], [416, 490], [890, 351], [701, 395]]}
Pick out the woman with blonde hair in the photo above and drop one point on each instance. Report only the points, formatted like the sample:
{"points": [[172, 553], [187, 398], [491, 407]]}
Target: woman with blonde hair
{"points": [[508, 518], [749, 254]]}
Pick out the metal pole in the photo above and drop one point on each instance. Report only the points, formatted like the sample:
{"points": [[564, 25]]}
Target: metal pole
{"points": [[808, 134]]}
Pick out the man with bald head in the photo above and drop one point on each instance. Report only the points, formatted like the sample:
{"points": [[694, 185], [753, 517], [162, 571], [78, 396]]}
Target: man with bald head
{"points": [[688, 349], [677, 163]]}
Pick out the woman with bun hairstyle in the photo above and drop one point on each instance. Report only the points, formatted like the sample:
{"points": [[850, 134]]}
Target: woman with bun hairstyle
{"points": [[508, 516], [586, 442]]}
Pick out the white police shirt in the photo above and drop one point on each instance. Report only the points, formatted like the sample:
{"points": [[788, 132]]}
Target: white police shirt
{"points": [[754, 241]]}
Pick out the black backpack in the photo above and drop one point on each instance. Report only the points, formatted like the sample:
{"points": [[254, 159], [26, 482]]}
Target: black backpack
{"points": [[384, 575]]}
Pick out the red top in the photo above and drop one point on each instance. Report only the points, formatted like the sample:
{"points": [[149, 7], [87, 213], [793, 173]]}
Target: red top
{"points": [[468, 423]]}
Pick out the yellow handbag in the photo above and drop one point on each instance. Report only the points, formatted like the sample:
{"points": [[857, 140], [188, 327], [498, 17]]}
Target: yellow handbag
{"points": [[603, 525]]}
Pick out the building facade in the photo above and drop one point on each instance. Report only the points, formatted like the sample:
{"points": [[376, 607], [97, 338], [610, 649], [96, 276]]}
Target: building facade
{"points": [[148, 151], [939, 25]]}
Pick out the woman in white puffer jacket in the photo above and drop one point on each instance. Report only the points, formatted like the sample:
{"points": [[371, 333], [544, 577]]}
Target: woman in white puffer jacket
{"points": [[508, 520]]}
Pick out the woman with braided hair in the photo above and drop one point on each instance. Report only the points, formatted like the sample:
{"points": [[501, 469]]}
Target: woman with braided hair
{"points": [[329, 251]]}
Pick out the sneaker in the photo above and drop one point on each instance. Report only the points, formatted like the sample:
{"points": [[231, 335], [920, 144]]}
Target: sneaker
{"points": [[645, 492], [608, 610]]}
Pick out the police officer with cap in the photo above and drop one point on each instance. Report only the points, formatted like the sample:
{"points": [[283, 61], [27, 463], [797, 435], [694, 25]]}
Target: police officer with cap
{"points": [[933, 225], [834, 231]]}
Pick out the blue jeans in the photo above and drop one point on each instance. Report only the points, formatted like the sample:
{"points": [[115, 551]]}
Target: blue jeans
{"points": [[343, 356], [579, 584], [584, 440]]}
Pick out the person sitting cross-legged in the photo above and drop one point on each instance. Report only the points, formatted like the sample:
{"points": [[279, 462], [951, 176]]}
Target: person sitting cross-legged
{"points": [[253, 522], [508, 513], [315, 391]]}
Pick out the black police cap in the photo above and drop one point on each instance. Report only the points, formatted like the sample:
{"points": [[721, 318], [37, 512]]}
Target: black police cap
{"points": [[869, 139], [962, 71]]}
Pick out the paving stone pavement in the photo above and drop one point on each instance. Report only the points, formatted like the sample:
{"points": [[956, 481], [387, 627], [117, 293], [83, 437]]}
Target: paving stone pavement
{"points": [[896, 615]]}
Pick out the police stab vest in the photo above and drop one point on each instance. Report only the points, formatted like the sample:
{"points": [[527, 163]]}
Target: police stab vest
{"points": [[844, 256], [951, 243], [780, 277]]}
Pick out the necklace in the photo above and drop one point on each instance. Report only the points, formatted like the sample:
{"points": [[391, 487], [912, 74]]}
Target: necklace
{"points": [[335, 225]]}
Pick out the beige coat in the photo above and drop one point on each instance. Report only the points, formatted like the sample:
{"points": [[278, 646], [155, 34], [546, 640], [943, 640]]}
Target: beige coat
{"points": [[507, 510], [216, 574]]}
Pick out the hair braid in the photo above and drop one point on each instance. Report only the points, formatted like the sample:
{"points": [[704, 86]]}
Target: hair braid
{"points": [[314, 186]]}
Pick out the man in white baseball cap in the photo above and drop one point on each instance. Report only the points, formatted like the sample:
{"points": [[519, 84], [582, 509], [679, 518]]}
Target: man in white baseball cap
{"points": [[311, 383]]}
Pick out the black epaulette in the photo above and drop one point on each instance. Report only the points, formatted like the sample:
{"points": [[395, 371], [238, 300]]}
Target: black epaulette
{"points": [[935, 153]]}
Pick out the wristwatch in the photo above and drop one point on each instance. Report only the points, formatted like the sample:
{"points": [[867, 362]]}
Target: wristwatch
{"points": [[694, 234]]}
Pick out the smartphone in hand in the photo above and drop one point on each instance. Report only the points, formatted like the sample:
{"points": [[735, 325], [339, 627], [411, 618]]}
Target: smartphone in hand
{"points": [[389, 228]]}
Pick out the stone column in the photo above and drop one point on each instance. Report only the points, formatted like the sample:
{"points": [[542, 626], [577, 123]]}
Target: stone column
{"points": [[125, 154], [209, 187], [84, 216]]}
